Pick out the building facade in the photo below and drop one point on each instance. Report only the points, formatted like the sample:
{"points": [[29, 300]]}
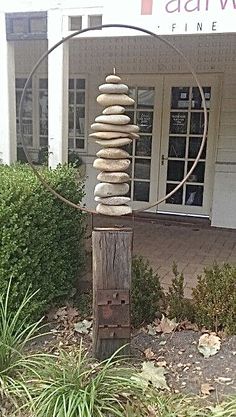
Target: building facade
{"points": [[61, 102]]}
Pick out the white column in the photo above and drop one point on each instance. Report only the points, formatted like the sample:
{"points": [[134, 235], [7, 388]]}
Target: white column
{"points": [[7, 98], [58, 72]]}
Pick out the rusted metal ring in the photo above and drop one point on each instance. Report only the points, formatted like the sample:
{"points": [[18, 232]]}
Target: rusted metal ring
{"points": [[67, 38]]}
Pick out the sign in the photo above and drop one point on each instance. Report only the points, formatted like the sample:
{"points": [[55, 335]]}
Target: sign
{"points": [[171, 17]]}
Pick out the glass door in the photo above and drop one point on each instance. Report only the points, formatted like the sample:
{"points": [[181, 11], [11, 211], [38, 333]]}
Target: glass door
{"points": [[183, 124], [146, 113]]}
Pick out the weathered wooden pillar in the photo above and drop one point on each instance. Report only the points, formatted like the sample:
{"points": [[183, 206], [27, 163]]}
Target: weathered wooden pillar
{"points": [[112, 259]]}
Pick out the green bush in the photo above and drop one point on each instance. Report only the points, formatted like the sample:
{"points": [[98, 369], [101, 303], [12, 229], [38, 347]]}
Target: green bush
{"points": [[215, 298], [41, 238], [177, 305], [147, 297]]}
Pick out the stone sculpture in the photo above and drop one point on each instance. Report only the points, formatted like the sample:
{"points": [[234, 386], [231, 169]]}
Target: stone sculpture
{"points": [[113, 130]]}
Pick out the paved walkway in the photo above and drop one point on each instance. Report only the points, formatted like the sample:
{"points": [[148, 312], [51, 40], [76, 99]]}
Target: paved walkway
{"points": [[191, 246]]}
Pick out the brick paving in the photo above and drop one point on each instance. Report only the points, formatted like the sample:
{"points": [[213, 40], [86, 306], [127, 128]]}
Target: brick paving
{"points": [[192, 246]]}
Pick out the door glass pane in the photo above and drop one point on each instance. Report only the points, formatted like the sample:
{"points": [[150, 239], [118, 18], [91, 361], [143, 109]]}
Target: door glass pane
{"points": [[145, 121], [141, 191], [198, 173], [80, 84], [197, 99], [43, 104], [143, 146], [132, 93], [194, 146], [178, 122], [194, 195], [176, 198], [131, 116], [180, 97], [146, 97], [80, 98], [175, 171], [197, 123], [80, 114], [142, 168], [177, 147]]}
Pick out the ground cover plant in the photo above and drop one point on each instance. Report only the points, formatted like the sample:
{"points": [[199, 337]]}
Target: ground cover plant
{"points": [[41, 238]]}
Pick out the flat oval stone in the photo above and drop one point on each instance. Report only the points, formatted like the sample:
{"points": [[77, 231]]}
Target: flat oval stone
{"points": [[113, 201], [104, 189], [108, 135], [113, 79], [114, 88], [113, 110], [115, 143], [105, 127], [113, 99], [134, 135], [112, 153], [116, 119], [113, 210], [111, 165], [113, 177]]}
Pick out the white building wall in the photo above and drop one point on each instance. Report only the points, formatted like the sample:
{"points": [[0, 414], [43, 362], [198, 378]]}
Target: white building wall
{"points": [[207, 53]]}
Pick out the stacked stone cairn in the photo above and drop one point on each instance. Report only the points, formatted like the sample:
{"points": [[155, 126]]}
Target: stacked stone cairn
{"points": [[112, 130]]}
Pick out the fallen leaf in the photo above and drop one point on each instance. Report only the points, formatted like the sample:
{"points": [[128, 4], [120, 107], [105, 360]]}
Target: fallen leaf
{"points": [[152, 374], [166, 325], [162, 343], [83, 327], [209, 344], [149, 354], [151, 330], [206, 389], [161, 363], [224, 380]]}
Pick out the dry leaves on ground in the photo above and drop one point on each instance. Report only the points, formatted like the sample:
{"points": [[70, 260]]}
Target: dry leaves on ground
{"points": [[209, 344], [151, 374], [206, 389]]}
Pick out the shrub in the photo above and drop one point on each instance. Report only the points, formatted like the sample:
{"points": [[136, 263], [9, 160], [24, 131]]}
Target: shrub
{"points": [[41, 238], [215, 298], [147, 297], [177, 305]]}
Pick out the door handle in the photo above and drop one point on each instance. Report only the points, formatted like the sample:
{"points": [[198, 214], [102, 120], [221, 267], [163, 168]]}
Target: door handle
{"points": [[163, 159]]}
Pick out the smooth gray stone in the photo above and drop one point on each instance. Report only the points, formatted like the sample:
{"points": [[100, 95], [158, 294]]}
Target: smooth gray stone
{"points": [[113, 99], [113, 79], [115, 143], [113, 177], [108, 135], [111, 165], [105, 127], [105, 189], [114, 88], [112, 153], [113, 110], [113, 201], [114, 119], [113, 210], [134, 135]]}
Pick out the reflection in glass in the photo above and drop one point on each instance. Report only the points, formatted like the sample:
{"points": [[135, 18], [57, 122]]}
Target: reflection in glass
{"points": [[177, 146], [79, 143], [194, 195], [175, 171], [80, 84], [43, 141], [142, 168], [141, 191], [198, 173], [179, 97], [145, 121], [43, 83], [194, 146], [132, 94], [80, 98], [143, 146], [80, 114], [178, 122], [43, 127], [71, 97], [131, 116], [27, 104], [71, 83], [128, 148], [145, 97], [43, 105], [177, 197], [197, 123], [197, 99], [71, 122]]}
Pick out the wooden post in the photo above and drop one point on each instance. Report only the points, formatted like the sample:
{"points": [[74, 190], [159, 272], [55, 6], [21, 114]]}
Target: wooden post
{"points": [[112, 261]]}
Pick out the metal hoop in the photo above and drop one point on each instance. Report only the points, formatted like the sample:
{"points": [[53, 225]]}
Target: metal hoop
{"points": [[79, 32]]}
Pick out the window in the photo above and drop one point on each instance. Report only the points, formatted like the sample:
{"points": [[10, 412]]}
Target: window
{"points": [[77, 111], [94, 20], [43, 112], [30, 25], [27, 122], [75, 22]]}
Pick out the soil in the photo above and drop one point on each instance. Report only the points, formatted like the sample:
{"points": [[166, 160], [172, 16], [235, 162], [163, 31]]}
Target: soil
{"points": [[186, 368]]}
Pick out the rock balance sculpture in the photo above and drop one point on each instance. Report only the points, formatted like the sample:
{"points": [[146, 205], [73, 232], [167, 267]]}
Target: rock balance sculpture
{"points": [[113, 130]]}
